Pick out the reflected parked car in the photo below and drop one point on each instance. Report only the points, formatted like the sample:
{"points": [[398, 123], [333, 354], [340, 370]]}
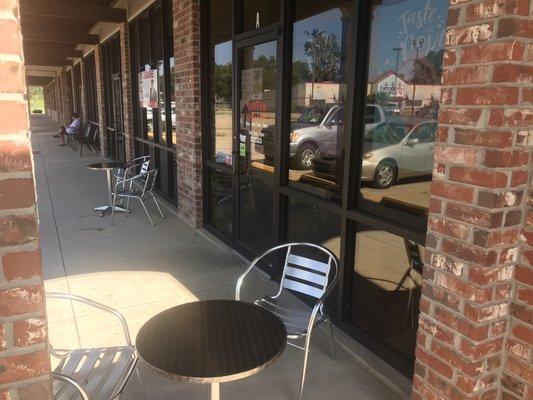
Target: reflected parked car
{"points": [[391, 152], [321, 130]]}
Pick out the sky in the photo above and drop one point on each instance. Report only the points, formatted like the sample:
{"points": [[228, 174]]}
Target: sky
{"points": [[395, 24]]}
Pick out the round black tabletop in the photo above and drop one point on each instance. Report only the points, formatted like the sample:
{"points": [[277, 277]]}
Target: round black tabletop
{"points": [[212, 341], [104, 165]]}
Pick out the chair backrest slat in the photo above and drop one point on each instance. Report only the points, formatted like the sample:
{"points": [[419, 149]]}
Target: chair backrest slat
{"points": [[303, 288], [308, 276], [308, 263], [145, 166]]}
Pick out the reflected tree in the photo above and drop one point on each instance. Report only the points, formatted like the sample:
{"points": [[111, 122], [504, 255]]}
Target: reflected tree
{"points": [[323, 55]]}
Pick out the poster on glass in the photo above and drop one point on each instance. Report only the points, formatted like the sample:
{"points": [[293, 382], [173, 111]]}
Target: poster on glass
{"points": [[148, 93]]}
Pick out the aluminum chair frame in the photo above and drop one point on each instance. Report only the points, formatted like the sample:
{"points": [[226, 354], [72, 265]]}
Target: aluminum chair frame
{"points": [[311, 275], [64, 354], [128, 192]]}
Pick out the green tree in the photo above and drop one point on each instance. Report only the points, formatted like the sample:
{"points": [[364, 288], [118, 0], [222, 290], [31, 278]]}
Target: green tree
{"points": [[269, 71], [222, 81], [300, 72], [36, 98], [428, 69], [323, 55]]}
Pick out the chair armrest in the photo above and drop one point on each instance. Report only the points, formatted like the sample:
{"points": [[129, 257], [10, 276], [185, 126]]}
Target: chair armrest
{"points": [[94, 304], [73, 382]]}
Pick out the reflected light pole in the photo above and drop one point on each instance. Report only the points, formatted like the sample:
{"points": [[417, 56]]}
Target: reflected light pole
{"points": [[397, 50], [417, 44]]}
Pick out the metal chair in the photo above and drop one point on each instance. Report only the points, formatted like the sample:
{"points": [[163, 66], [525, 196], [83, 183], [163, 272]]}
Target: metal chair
{"points": [[306, 276], [139, 165], [93, 374], [140, 187]]}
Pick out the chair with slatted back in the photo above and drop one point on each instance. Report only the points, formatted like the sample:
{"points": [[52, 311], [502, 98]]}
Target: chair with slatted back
{"points": [[312, 278], [95, 373]]}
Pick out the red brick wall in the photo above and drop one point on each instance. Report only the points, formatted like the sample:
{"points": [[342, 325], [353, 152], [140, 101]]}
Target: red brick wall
{"points": [[66, 106], [127, 100], [470, 302], [24, 360], [187, 79], [100, 98], [83, 95]]}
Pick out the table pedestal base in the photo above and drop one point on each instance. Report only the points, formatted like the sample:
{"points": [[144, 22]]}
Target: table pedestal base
{"points": [[215, 391], [107, 209]]}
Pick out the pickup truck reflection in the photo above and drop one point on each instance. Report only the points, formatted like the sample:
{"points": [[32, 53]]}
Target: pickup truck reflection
{"points": [[317, 127], [390, 152]]}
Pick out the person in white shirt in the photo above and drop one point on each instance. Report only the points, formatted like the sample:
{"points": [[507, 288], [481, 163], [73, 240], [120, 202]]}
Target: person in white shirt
{"points": [[72, 129]]}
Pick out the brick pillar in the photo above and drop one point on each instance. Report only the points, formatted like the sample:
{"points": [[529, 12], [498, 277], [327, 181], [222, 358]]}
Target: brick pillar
{"points": [[127, 104], [478, 198], [100, 97], [66, 106], [83, 97], [186, 14], [75, 107], [46, 96], [57, 94], [24, 359]]}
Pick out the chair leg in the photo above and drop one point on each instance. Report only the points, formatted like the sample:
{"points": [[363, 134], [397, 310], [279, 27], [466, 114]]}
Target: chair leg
{"points": [[159, 208], [146, 211], [332, 334], [128, 206], [306, 356], [113, 209]]}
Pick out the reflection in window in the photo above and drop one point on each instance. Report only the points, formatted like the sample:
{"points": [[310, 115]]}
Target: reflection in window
{"points": [[161, 102], [257, 116], [221, 201], [173, 100], [220, 27], [319, 57], [405, 68], [386, 289]]}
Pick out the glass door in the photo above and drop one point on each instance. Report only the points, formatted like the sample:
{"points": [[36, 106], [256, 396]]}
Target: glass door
{"points": [[255, 138]]}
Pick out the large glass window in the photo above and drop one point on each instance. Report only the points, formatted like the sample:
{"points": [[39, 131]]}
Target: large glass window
{"points": [[404, 78], [320, 54], [220, 52], [90, 88], [386, 289], [152, 50]]}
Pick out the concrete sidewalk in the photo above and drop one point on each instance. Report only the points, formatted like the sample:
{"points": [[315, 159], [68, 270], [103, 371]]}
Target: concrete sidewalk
{"points": [[142, 270]]}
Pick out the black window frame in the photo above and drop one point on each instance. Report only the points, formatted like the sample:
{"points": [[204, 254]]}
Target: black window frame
{"points": [[409, 224], [162, 153]]}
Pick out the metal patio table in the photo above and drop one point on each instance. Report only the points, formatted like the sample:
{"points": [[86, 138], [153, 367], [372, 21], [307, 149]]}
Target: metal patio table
{"points": [[108, 167], [212, 342]]}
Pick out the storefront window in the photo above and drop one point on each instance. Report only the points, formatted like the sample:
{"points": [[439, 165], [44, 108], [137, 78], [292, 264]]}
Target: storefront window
{"points": [[258, 13], [386, 289], [221, 75], [404, 80], [173, 100], [319, 58]]}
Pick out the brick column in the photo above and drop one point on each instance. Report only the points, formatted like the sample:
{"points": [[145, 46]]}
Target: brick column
{"points": [[127, 104], [46, 96], [186, 15], [478, 198], [57, 94], [66, 106], [24, 359], [100, 97], [83, 105], [74, 107]]}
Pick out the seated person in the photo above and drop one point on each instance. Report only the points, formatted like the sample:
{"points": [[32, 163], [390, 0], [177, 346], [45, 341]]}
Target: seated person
{"points": [[70, 130]]}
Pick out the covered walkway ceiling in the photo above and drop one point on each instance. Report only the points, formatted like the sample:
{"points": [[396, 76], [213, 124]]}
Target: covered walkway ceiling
{"points": [[53, 30]]}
